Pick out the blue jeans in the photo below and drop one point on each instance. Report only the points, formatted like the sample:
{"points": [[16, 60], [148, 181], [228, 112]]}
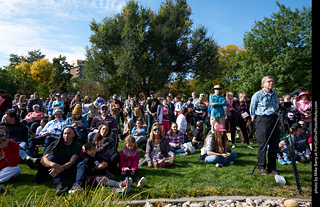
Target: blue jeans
{"points": [[220, 159], [46, 140], [150, 122], [79, 169], [177, 151], [23, 148]]}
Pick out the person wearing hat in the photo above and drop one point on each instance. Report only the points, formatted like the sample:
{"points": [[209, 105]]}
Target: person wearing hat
{"points": [[58, 103], [188, 104], [93, 110], [300, 144], [78, 122], [49, 133], [263, 110], [151, 106], [217, 102], [215, 148], [304, 107], [103, 118]]}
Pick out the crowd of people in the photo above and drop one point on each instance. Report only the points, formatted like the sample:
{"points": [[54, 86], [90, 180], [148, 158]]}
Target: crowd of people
{"points": [[80, 136]]}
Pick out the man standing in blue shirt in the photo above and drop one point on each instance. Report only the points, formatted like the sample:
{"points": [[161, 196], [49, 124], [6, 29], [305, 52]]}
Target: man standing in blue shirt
{"points": [[263, 110], [217, 102]]}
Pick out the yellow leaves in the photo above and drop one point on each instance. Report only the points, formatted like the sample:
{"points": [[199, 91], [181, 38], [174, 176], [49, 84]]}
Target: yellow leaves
{"points": [[22, 70], [230, 54], [41, 70]]}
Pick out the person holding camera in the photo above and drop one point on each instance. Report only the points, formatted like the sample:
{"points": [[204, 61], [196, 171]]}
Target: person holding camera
{"points": [[263, 110]]}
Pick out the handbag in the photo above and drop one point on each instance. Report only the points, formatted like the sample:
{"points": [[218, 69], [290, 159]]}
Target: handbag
{"points": [[244, 115], [191, 148]]}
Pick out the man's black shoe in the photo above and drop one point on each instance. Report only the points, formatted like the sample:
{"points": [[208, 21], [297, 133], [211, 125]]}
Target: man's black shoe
{"points": [[263, 171], [61, 188]]}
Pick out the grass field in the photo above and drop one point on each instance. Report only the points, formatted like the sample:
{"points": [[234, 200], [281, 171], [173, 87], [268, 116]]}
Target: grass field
{"points": [[189, 177]]}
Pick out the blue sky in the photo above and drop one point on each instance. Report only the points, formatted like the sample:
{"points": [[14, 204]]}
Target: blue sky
{"points": [[62, 26]]}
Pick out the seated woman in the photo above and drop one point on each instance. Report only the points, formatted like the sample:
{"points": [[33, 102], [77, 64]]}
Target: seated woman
{"points": [[9, 156], [105, 147], [78, 122], [19, 133], [215, 148], [157, 148], [139, 132], [33, 118], [176, 138], [300, 144], [127, 127]]}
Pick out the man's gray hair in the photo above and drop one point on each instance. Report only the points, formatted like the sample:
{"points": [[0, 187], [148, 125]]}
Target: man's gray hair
{"points": [[266, 78]]}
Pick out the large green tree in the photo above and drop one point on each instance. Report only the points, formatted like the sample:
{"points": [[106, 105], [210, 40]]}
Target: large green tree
{"points": [[280, 46], [60, 79], [139, 50]]}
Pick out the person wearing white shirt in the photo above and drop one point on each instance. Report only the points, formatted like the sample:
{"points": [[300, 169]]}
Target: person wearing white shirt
{"points": [[182, 122], [177, 105]]}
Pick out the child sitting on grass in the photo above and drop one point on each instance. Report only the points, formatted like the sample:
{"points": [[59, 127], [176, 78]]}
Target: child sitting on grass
{"points": [[197, 140], [129, 160], [300, 144], [96, 172]]}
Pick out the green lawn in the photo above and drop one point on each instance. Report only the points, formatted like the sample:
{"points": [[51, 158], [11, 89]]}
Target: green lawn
{"points": [[188, 177]]}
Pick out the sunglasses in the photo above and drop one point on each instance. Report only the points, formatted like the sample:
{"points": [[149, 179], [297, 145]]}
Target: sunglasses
{"points": [[104, 109], [156, 130], [3, 134]]}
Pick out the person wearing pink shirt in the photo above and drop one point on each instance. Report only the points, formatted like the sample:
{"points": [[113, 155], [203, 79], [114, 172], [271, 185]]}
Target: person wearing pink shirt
{"points": [[304, 106]]}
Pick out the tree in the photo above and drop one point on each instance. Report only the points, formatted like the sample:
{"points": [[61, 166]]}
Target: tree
{"points": [[5, 78], [41, 70], [280, 46], [19, 70], [229, 63], [23, 78], [139, 50], [60, 76]]}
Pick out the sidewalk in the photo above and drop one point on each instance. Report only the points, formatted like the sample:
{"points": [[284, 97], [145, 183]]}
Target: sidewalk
{"points": [[221, 200]]}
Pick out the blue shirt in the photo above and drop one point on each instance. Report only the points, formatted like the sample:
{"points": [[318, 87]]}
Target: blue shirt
{"points": [[142, 131], [51, 126], [58, 104], [263, 103], [217, 110], [84, 122]]}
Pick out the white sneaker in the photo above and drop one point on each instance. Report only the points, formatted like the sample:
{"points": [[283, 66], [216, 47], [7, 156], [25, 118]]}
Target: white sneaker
{"points": [[142, 182], [219, 165], [249, 146], [233, 146]]}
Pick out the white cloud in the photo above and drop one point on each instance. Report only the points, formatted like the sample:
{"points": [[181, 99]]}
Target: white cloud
{"points": [[55, 27]]}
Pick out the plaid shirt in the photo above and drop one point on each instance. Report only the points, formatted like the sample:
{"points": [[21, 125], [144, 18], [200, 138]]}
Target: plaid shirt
{"points": [[179, 139], [263, 103]]}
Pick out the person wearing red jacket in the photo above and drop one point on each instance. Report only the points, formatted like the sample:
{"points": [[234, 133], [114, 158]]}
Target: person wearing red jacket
{"points": [[129, 160], [9, 156]]}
